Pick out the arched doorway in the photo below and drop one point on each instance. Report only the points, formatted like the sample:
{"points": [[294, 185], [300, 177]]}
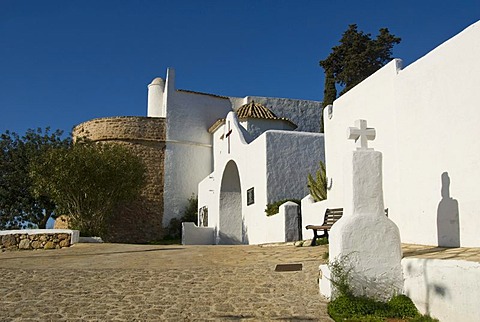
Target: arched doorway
{"points": [[230, 230]]}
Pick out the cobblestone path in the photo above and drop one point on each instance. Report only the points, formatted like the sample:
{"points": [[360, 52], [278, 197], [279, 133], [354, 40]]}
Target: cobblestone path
{"points": [[117, 282]]}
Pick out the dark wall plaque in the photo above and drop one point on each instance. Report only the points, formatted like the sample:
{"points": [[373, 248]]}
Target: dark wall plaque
{"points": [[250, 197], [203, 215]]}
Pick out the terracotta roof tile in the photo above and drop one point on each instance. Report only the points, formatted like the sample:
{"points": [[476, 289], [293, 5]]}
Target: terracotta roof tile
{"points": [[255, 110], [252, 110]]}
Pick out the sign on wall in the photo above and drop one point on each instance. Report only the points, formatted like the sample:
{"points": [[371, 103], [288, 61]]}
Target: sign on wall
{"points": [[250, 197], [203, 216]]}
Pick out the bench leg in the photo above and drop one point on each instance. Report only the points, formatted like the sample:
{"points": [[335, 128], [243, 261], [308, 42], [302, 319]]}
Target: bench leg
{"points": [[314, 240]]}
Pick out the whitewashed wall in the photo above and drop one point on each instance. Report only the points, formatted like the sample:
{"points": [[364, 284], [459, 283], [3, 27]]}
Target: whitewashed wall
{"points": [[275, 164], [444, 289], [305, 114], [188, 157], [427, 118], [313, 213], [291, 156], [255, 127], [188, 151]]}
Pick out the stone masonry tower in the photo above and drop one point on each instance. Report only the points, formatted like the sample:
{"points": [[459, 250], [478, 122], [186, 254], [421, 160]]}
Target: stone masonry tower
{"points": [[140, 221]]}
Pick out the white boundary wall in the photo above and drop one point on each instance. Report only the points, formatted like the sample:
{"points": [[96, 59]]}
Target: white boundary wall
{"points": [[427, 121], [193, 235], [445, 289]]}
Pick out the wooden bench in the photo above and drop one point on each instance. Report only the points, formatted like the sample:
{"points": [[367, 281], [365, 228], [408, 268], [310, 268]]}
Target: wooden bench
{"points": [[331, 216]]}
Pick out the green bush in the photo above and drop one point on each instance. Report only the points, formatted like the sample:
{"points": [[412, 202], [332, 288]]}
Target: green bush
{"points": [[318, 187], [353, 308], [401, 306], [347, 307], [272, 208], [322, 241], [88, 182], [423, 318], [190, 214]]}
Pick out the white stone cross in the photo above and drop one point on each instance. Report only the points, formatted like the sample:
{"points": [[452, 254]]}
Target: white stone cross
{"points": [[228, 136], [361, 134]]}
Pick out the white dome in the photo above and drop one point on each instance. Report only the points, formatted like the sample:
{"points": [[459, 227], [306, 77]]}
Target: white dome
{"points": [[157, 81]]}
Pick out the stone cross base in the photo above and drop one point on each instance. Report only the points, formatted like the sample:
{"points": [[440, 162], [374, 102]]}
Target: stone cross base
{"points": [[364, 240]]}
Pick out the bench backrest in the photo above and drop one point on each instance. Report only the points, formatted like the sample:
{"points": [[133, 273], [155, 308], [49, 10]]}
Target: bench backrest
{"points": [[332, 215]]}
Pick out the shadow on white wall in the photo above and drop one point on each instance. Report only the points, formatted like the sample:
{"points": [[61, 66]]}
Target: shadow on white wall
{"points": [[448, 218]]}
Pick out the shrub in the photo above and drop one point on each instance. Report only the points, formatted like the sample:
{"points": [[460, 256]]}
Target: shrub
{"points": [[190, 214], [354, 308], [318, 187], [272, 208], [347, 307], [322, 241], [401, 306], [350, 307], [88, 182]]}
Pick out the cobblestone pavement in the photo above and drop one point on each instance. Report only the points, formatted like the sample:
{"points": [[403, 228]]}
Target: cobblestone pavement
{"points": [[118, 282], [435, 252]]}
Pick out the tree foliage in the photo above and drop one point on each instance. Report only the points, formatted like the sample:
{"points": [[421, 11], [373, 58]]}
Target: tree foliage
{"points": [[329, 95], [88, 182], [357, 57], [190, 214], [329, 91], [19, 208]]}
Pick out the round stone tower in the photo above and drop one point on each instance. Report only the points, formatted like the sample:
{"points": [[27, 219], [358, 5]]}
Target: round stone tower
{"points": [[139, 221]]}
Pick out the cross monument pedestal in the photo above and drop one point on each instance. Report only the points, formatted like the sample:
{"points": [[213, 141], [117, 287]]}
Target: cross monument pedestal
{"points": [[364, 240]]}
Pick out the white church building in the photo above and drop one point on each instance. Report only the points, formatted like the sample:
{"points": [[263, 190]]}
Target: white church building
{"points": [[258, 160], [266, 146], [241, 154]]}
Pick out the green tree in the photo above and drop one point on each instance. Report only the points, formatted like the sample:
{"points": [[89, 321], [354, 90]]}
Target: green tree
{"points": [[19, 208], [329, 94], [330, 91], [88, 182], [357, 57]]}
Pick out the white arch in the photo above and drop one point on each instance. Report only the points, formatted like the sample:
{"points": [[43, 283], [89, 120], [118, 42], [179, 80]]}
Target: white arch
{"points": [[230, 230]]}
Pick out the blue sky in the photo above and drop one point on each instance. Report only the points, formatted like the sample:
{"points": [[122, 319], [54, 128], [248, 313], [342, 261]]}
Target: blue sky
{"points": [[65, 62]]}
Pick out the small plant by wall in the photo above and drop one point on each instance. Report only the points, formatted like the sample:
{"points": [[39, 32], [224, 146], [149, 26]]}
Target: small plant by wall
{"points": [[272, 208], [318, 186], [347, 307], [190, 214], [321, 241]]}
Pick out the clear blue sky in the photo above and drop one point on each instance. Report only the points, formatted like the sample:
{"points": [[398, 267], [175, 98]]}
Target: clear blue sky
{"points": [[64, 62]]}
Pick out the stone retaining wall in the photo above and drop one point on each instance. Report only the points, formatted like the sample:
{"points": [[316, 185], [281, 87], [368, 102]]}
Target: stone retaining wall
{"points": [[139, 221], [29, 239]]}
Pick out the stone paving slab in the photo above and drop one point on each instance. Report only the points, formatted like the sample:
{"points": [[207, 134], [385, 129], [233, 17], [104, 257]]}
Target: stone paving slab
{"points": [[118, 282], [435, 252]]}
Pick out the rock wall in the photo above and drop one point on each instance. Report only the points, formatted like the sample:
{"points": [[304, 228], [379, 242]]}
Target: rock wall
{"points": [[139, 221], [61, 222], [24, 241]]}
